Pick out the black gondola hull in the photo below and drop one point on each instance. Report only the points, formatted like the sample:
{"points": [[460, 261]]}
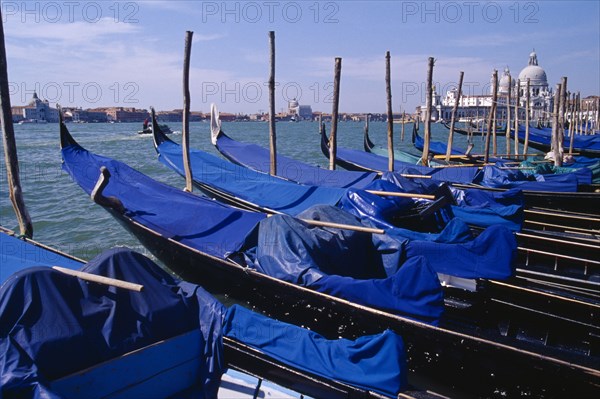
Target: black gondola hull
{"points": [[471, 364]]}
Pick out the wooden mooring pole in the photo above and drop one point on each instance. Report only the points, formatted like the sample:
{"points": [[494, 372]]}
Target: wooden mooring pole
{"points": [[390, 115], [427, 128], [517, 98], [185, 139], [334, 112], [508, 98], [562, 117], [527, 99], [10, 148], [556, 125], [272, 133]]}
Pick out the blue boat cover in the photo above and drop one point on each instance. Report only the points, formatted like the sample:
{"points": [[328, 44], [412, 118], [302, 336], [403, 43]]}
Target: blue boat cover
{"points": [[397, 246], [488, 208], [97, 323], [495, 177], [381, 210], [544, 136], [375, 362], [378, 163], [258, 158], [345, 264], [476, 207], [17, 254], [572, 164], [200, 223], [52, 325], [498, 179], [586, 172], [259, 188]]}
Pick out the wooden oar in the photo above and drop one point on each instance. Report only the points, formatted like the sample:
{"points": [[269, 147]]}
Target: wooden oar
{"points": [[415, 176], [409, 176], [100, 279], [397, 194], [343, 226]]}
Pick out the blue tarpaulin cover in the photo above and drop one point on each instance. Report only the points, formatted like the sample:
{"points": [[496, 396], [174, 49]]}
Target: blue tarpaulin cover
{"points": [[256, 157], [490, 208], [493, 176], [453, 252], [52, 325], [345, 264], [374, 362], [476, 207], [259, 188], [379, 163], [17, 254], [380, 210], [564, 182], [206, 225], [544, 136]]}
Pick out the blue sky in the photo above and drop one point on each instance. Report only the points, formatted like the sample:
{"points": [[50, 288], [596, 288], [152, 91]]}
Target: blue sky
{"points": [[130, 53]]}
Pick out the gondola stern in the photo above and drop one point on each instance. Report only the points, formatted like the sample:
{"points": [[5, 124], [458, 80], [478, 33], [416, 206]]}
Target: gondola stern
{"points": [[414, 133], [66, 139], [324, 141], [158, 135], [215, 124], [368, 144]]}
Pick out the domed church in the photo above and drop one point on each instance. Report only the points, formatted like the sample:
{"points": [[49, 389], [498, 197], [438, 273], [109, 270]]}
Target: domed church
{"points": [[477, 107], [540, 95]]}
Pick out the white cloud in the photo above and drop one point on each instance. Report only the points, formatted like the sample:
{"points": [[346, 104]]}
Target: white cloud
{"points": [[74, 33], [207, 38]]}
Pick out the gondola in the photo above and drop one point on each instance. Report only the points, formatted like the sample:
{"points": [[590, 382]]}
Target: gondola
{"points": [[464, 177], [476, 358], [540, 138], [147, 129], [146, 334]]}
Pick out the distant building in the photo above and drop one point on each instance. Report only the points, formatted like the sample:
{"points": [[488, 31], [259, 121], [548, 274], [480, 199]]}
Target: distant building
{"points": [[477, 107], [122, 114], [36, 111], [299, 112], [79, 115]]}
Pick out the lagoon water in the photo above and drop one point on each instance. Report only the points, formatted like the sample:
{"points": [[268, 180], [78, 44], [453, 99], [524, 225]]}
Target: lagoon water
{"points": [[65, 218]]}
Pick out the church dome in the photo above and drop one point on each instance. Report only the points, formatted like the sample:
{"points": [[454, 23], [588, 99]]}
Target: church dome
{"points": [[503, 83], [535, 73], [34, 100]]}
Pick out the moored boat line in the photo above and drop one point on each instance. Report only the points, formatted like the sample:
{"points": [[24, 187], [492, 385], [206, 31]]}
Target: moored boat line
{"points": [[178, 254]]}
